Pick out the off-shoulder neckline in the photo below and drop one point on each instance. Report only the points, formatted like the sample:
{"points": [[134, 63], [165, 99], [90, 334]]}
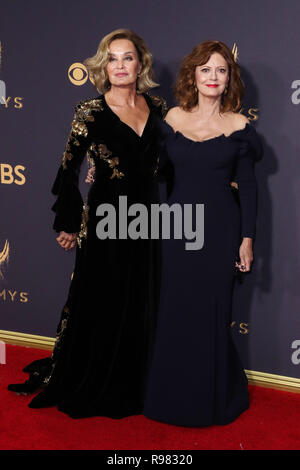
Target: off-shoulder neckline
{"points": [[221, 136]]}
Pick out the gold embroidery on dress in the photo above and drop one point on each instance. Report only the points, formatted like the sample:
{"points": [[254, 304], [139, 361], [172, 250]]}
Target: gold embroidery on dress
{"points": [[83, 227], [90, 156], [112, 162], [82, 115], [67, 155], [58, 341], [79, 128], [86, 107]]}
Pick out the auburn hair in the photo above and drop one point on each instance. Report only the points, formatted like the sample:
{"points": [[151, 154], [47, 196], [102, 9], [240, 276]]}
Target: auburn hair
{"points": [[185, 87]]}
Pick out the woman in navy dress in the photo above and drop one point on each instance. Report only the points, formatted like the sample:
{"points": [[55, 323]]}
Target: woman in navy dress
{"points": [[196, 377]]}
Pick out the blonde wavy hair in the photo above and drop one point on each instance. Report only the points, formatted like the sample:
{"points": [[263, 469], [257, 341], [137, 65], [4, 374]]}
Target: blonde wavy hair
{"points": [[96, 65]]}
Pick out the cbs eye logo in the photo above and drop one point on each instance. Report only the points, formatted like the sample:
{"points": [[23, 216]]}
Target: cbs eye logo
{"points": [[78, 74]]}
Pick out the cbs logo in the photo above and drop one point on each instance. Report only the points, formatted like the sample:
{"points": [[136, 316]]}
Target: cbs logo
{"points": [[78, 74], [9, 174]]}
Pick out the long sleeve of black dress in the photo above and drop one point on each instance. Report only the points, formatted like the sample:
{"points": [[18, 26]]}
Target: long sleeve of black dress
{"points": [[105, 334], [68, 205]]}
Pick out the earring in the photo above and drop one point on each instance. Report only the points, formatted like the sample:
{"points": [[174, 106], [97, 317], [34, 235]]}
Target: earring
{"points": [[226, 89]]}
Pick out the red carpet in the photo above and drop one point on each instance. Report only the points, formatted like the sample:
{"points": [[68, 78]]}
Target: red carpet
{"points": [[272, 422]]}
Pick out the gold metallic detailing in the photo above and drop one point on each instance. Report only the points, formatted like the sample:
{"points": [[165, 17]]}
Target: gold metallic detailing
{"points": [[261, 379], [160, 102], [83, 115], [85, 108], [28, 340], [79, 128], [103, 151], [83, 227], [90, 157], [117, 173], [235, 52], [58, 342], [4, 256], [67, 155], [112, 162]]}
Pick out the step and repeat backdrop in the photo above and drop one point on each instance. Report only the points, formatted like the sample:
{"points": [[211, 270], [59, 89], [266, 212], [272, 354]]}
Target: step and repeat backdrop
{"points": [[42, 47]]}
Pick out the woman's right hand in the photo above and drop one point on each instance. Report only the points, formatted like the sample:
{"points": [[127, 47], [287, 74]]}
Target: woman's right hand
{"points": [[67, 240], [90, 176]]}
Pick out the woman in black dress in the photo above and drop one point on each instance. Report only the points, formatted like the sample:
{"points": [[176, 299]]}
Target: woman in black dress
{"points": [[100, 358], [196, 377]]}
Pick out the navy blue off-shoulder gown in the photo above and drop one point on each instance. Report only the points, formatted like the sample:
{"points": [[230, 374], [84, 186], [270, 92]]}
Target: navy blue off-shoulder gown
{"points": [[196, 377]]}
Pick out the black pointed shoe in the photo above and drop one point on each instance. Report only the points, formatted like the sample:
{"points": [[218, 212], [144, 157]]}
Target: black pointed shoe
{"points": [[31, 385]]}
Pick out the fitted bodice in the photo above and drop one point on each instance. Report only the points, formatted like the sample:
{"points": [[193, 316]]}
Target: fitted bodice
{"points": [[203, 171], [209, 162]]}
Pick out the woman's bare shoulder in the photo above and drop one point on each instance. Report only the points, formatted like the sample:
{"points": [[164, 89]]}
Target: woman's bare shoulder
{"points": [[237, 120], [174, 115], [173, 112]]}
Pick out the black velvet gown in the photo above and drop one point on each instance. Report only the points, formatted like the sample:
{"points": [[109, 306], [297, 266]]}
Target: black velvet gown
{"points": [[196, 377], [100, 358]]}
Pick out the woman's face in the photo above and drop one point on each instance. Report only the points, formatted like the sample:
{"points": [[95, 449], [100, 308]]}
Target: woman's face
{"points": [[212, 77], [123, 63]]}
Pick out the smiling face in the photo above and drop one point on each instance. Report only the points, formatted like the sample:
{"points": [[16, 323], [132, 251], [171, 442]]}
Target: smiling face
{"points": [[123, 63], [212, 77]]}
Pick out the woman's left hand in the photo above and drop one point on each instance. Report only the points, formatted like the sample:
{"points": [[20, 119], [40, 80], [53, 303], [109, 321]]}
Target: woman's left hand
{"points": [[67, 240], [246, 255]]}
